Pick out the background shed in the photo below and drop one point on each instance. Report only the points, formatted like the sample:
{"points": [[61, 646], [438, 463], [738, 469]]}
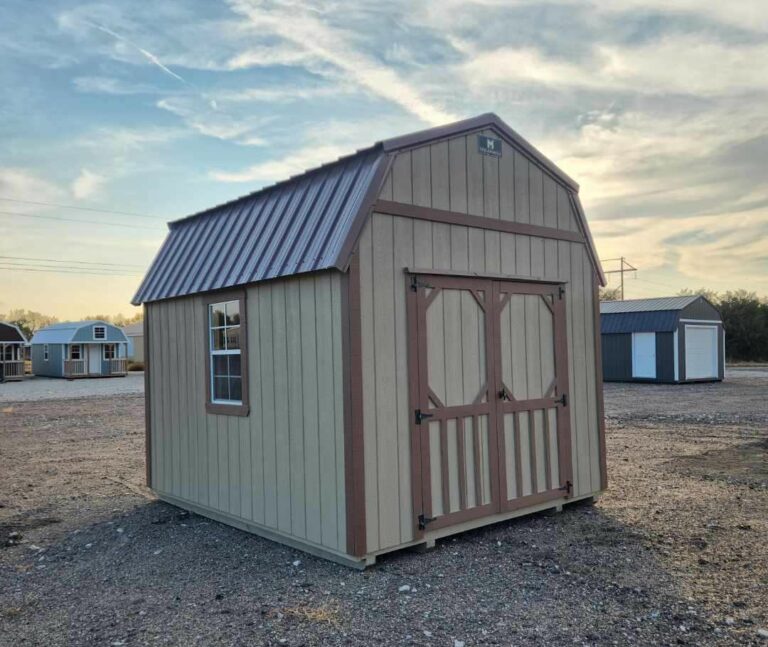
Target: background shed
{"points": [[78, 349], [414, 337], [668, 339], [12, 346]]}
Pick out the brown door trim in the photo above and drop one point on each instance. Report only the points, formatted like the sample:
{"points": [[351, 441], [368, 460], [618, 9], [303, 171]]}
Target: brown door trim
{"points": [[494, 276], [494, 408], [557, 292], [420, 398], [456, 218]]}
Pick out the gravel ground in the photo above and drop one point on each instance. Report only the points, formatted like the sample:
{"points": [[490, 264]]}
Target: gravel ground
{"points": [[673, 554], [35, 388]]}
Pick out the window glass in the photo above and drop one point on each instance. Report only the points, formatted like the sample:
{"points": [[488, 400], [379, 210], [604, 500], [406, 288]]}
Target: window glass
{"points": [[225, 347], [99, 332], [109, 351], [74, 352]]}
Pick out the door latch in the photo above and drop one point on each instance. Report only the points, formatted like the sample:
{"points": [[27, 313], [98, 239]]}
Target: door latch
{"points": [[563, 399], [568, 487], [504, 394], [423, 521], [421, 416]]}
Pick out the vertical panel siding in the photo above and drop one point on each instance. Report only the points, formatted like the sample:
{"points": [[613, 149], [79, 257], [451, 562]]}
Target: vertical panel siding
{"points": [[281, 467], [388, 245]]}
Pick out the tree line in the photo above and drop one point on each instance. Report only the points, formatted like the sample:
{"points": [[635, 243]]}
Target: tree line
{"points": [[745, 319], [29, 322]]}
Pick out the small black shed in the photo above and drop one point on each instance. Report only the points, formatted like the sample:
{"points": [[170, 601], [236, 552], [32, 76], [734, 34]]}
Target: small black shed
{"points": [[669, 339]]}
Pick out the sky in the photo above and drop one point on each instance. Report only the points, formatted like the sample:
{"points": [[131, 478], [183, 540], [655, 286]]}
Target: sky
{"points": [[139, 113]]}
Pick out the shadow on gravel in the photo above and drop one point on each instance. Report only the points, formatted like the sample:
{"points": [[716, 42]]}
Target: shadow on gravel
{"points": [[157, 575]]}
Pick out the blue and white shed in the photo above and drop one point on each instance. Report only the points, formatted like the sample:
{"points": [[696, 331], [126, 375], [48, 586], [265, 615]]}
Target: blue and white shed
{"points": [[668, 339], [80, 349]]}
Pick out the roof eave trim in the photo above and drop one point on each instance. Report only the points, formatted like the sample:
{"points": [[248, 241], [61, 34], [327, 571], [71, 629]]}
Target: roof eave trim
{"points": [[591, 248]]}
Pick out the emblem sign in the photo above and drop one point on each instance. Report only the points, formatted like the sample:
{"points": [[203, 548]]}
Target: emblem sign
{"points": [[489, 145]]}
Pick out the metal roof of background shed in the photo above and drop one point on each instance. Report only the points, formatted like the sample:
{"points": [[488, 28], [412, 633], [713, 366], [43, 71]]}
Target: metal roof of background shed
{"points": [[307, 223], [647, 305], [64, 333]]}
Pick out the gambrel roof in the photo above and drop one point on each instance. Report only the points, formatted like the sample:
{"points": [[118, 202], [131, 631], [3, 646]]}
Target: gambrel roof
{"points": [[306, 223]]}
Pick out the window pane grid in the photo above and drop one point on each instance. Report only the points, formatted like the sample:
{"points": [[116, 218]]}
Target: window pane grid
{"points": [[225, 366]]}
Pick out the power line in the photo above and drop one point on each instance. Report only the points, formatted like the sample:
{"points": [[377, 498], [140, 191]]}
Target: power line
{"points": [[55, 260], [624, 266], [72, 206], [87, 222], [63, 271], [103, 270]]}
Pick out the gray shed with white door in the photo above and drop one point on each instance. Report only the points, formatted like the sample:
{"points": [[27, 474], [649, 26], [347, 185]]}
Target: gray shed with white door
{"points": [[396, 346], [668, 339]]}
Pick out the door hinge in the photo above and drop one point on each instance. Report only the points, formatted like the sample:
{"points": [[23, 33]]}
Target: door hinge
{"points": [[423, 521], [417, 283], [563, 399], [560, 291], [420, 416], [568, 487]]}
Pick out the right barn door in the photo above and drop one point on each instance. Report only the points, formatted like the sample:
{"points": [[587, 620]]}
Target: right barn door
{"points": [[532, 394]]}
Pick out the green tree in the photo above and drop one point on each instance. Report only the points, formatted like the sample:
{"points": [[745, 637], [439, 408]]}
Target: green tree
{"points": [[610, 294], [28, 321]]}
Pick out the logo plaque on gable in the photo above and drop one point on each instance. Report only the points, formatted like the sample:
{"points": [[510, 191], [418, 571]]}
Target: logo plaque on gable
{"points": [[489, 145]]}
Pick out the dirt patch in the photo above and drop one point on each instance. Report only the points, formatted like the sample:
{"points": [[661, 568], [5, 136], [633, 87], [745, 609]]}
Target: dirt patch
{"points": [[744, 464], [674, 553]]}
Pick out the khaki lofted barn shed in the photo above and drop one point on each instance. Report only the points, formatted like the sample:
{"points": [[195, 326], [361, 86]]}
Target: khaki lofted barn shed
{"points": [[394, 347]]}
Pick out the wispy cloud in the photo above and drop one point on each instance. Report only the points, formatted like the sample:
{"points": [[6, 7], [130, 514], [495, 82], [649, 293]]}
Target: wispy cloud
{"points": [[86, 184], [111, 85], [280, 169], [145, 53], [307, 31]]}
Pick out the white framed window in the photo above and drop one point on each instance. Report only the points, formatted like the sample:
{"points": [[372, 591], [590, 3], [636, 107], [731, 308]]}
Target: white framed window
{"points": [[226, 373], [227, 378], [45, 352], [99, 332], [109, 351], [75, 351]]}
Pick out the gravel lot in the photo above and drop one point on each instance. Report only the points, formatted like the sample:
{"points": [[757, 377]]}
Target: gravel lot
{"points": [[675, 553], [36, 388]]}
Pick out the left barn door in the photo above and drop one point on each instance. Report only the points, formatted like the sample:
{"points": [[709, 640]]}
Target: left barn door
{"points": [[454, 426]]}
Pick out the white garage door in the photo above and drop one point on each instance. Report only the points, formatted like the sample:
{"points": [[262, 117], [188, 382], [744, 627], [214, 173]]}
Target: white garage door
{"points": [[644, 354], [700, 352]]}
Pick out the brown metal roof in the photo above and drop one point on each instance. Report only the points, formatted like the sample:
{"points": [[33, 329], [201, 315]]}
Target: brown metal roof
{"points": [[306, 223]]}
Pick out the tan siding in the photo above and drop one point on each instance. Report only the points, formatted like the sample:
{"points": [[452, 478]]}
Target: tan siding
{"points": [[281, 467], [385, 250]]}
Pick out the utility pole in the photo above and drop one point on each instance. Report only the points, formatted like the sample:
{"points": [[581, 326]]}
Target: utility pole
{"points": [[624, 266]]}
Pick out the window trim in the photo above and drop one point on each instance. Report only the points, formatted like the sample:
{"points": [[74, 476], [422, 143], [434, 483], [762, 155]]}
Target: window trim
{"points": [[80, 352], [221, 408], [111, 344], [102, 327]]}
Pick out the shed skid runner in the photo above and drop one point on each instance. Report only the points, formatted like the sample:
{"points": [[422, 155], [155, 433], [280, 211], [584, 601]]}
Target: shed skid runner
{"points": [[389, 349]]}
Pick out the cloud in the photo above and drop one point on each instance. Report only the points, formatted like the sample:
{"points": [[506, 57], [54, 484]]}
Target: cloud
{"points": [[215, 123], [680, 65], [86, 184], [311, 34], [24, 184], [109, 85], [283, 168]]}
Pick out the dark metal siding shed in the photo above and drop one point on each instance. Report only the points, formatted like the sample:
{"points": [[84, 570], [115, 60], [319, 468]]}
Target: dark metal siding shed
{"points": [[668, 318]]}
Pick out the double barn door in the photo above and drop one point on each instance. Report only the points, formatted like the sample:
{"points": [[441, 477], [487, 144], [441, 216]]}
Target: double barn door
{"points": [[489, 380]]}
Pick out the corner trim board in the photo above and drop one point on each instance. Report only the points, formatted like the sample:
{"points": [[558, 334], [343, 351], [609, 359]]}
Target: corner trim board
{"points": [[147, 401], [599, 383], [354, 456]]}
